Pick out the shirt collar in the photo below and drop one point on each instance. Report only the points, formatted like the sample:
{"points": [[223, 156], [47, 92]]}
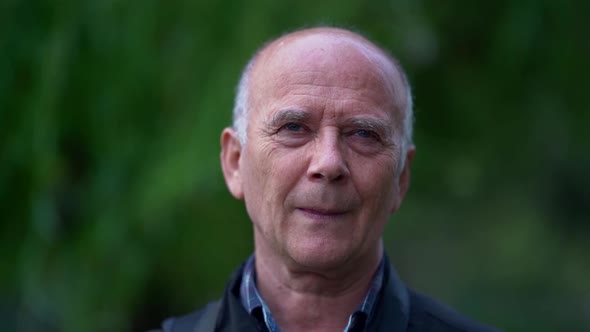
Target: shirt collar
{"points": [[254, 304], [251, 299]]}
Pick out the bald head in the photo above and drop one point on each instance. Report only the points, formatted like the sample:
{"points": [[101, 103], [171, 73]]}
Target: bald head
{"points": [[327, 51]]}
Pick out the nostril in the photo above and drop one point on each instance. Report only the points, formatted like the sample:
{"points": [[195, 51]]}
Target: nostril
{"points": [[317, 176], [321, 176]]}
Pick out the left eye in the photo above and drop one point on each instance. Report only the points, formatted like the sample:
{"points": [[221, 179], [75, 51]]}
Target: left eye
{"points": [[366, 133]]}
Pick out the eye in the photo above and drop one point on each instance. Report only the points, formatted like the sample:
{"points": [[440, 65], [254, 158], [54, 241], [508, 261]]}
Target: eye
{"points": [[292, 134], [292, 126], [364, 133]]}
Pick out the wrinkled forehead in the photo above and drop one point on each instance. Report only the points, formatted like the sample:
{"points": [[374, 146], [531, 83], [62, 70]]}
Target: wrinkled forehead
{"points": [[334, 56]]}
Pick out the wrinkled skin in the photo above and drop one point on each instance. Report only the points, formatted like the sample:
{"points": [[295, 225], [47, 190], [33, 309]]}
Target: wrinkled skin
{"points": [[321, 170]]}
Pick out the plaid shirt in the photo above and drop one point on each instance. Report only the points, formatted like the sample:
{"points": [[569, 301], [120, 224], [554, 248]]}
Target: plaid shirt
{"points": [[257, 308]]}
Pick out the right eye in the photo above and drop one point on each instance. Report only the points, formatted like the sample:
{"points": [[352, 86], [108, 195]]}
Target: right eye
{"points": [[292, 134]]}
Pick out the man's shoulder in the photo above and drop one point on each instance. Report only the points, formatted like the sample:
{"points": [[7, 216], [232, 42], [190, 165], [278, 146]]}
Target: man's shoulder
{"points": [[429, 314], [203, 318]]}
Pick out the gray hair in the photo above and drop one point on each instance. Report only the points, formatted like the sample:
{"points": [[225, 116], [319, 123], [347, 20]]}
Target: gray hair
{"points": [[240, 113], [241, 105]]}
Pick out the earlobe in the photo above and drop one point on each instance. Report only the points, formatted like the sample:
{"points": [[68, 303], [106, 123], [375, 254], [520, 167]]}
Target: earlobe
{"points": [[231, 152]]}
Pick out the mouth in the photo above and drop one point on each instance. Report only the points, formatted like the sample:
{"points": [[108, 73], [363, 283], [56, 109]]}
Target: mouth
{"points": [[322, 214]]}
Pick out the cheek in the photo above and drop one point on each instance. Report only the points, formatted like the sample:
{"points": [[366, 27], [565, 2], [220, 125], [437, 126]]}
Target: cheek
{"points": [[254, 176], [270, 173], [376, 182], [283, 164], [257, 164]]}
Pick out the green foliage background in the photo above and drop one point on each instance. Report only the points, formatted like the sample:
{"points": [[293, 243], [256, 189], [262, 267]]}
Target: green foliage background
{"points": [[114, 211]]}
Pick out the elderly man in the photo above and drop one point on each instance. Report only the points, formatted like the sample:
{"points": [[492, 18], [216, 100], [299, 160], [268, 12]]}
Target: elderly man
{"points": [[320, 152]]}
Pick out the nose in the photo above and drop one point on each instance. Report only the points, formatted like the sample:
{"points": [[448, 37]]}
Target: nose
{"points": [[327, 161]]}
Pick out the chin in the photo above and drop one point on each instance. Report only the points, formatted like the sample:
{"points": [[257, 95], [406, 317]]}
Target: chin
{"points": [[319, 258]]}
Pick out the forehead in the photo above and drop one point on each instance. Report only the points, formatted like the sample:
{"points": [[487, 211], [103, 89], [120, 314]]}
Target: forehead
{"points": [[339, 66]]}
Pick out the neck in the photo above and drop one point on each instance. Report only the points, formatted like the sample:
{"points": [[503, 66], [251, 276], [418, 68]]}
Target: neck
{"points": [[302, 299]]}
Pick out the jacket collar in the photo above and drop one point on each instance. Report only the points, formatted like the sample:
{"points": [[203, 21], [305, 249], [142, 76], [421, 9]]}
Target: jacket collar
{"points": [[393, 309]]}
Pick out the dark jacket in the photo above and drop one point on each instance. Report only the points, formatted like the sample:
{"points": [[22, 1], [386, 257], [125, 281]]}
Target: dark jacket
{"points": [[398, 309]]}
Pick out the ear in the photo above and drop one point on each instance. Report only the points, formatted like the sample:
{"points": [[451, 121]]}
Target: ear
{"points": [[404, 178], [231, 152]]}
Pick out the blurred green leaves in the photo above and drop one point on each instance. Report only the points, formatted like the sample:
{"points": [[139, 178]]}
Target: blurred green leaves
{"points": [[114, 210]]}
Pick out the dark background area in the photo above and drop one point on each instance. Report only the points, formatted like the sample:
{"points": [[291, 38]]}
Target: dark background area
{"points": [[114, 211]]}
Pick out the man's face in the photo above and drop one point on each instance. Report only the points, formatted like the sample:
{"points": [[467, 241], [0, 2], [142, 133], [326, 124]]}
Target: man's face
{"points": [[320, 172]]}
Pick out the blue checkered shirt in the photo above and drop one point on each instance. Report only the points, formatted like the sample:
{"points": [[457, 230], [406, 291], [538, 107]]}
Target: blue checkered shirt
{"points": [[256, 307]]}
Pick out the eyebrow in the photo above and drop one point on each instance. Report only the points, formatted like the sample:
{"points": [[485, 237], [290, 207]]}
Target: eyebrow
{"points": [[288, 115]]}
